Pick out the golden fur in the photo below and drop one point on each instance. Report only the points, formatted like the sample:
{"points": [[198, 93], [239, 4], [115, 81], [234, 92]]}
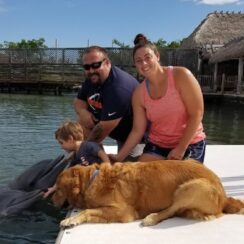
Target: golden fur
{"points": [[154, 191]]}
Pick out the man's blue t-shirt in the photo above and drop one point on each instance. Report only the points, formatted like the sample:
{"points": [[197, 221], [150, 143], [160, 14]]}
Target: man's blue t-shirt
{"points": [[111, 100]]}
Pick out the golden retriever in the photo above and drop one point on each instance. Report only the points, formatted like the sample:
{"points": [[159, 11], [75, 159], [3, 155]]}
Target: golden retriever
{"points": [[154, 191]]}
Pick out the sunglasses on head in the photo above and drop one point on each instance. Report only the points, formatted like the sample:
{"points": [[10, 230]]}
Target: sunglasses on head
{"points": [[95, 65]]}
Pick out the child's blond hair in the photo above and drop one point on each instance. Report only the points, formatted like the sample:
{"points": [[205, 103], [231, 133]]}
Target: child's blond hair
{"points": [[68, 129]]}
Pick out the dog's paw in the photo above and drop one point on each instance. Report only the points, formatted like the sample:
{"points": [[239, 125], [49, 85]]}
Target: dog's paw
{"points": [[211, 217], [69, 222], [150, 219]]}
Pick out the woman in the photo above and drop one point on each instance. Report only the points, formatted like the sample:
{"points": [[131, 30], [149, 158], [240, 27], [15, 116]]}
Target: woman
{"points": [[168, 104]]}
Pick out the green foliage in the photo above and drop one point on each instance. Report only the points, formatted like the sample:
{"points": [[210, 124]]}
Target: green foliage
{"points": [[160, 43], [119, 44], [174, 44], [25, 44]]}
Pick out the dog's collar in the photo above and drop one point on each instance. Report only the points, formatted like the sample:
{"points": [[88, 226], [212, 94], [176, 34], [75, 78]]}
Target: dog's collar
{"points": [[94, 174]]}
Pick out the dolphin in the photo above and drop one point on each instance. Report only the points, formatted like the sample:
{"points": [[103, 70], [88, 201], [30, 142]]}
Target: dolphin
{"points": [[28, 187]]}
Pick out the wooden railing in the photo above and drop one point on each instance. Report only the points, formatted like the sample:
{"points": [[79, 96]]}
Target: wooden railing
{"points": [[223, 84], [60, 68]]}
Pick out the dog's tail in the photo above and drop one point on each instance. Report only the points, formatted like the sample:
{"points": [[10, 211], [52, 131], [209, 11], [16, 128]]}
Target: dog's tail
{"points": [[233, 205]]}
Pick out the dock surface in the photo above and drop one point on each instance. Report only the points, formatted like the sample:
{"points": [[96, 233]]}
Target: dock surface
{"points": [[227, 162]]}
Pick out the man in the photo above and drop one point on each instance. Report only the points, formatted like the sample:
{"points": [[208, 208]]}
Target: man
{"points": [[103, 103]]}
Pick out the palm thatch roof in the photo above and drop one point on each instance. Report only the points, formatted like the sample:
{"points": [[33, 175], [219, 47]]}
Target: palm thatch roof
{"points": [[233, 49], [215, 30]]}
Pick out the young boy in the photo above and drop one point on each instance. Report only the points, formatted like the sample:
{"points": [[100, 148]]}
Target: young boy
{"points": [[71, 138]]}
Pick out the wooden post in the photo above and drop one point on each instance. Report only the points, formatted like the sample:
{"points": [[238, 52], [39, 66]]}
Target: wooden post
{"points": [[25, 64], [40, 67], [240, 76], [215, 77], [10, 72], [199, 64], [222, 84], [10, 65], [63, 62]]}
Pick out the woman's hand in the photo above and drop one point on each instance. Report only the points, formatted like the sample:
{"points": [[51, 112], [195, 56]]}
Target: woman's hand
{"points": [[176, 154]]}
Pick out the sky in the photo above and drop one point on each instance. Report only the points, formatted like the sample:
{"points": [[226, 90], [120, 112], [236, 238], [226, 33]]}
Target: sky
{"points": [[80, 23]]}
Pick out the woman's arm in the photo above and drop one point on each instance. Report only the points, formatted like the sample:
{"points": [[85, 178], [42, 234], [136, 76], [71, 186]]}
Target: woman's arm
{"points": [[192, 97]]}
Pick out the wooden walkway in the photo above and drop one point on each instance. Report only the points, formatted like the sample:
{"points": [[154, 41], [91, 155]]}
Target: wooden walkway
{"points": [[39, 87]]}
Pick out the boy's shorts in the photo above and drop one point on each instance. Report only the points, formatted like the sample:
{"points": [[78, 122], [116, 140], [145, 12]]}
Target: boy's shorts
{"points": [[194, 151]]}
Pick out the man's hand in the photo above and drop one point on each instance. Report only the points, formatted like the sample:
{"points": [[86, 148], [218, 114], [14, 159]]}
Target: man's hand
{"points": [[87, 119], [102, 129]]}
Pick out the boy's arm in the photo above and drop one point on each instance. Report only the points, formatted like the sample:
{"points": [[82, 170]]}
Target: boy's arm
{"points": [[103, 156], [50, 190]]}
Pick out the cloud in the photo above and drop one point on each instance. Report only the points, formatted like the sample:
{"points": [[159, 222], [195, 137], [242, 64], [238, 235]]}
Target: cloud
{"points": [[2, 7], [217, 2], [69, 3]]}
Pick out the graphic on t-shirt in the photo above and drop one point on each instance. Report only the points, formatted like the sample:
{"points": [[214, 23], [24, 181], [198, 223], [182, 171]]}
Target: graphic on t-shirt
{"points": [[84, 161], [94, 101]]}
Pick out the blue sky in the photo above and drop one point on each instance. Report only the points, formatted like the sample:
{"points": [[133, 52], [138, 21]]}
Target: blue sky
{"points": [[77, 23]]}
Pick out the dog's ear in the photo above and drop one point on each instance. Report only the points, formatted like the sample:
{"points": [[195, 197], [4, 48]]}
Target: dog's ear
{"points": [[76, 182], [58, 198]]}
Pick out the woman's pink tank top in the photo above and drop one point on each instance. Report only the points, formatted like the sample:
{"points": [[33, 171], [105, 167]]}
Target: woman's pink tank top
{"points": [[167, 116]]}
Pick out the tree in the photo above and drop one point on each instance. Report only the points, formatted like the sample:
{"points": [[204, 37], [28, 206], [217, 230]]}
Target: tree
{"points": [[160, 43], [174, 44], [26, 50], [25, 44], [119, 44]]}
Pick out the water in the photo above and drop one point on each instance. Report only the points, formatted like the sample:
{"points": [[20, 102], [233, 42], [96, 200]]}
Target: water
{"points": [[27, 126], [224, 122]]}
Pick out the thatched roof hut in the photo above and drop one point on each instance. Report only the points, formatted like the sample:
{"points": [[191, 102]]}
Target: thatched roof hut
{"points": [[216, 30], [232, 50], [219, 37]]}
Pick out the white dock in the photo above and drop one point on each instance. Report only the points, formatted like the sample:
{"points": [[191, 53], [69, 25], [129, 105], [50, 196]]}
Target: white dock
{"points": [[227, 161]]}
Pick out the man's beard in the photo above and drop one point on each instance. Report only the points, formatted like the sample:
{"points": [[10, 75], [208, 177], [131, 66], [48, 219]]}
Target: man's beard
{"points": [[95, 78]]}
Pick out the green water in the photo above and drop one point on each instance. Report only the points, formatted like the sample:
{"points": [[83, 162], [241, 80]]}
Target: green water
{"points": [[27, 125], [224, 122]]}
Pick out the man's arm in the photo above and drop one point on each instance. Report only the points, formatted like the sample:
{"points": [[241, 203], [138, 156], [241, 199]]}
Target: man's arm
{"points": [[96, 132], [86, 118], [102, 130]]}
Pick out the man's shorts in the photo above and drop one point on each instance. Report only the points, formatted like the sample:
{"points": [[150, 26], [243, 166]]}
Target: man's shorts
{"points": [[194, 151]]}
